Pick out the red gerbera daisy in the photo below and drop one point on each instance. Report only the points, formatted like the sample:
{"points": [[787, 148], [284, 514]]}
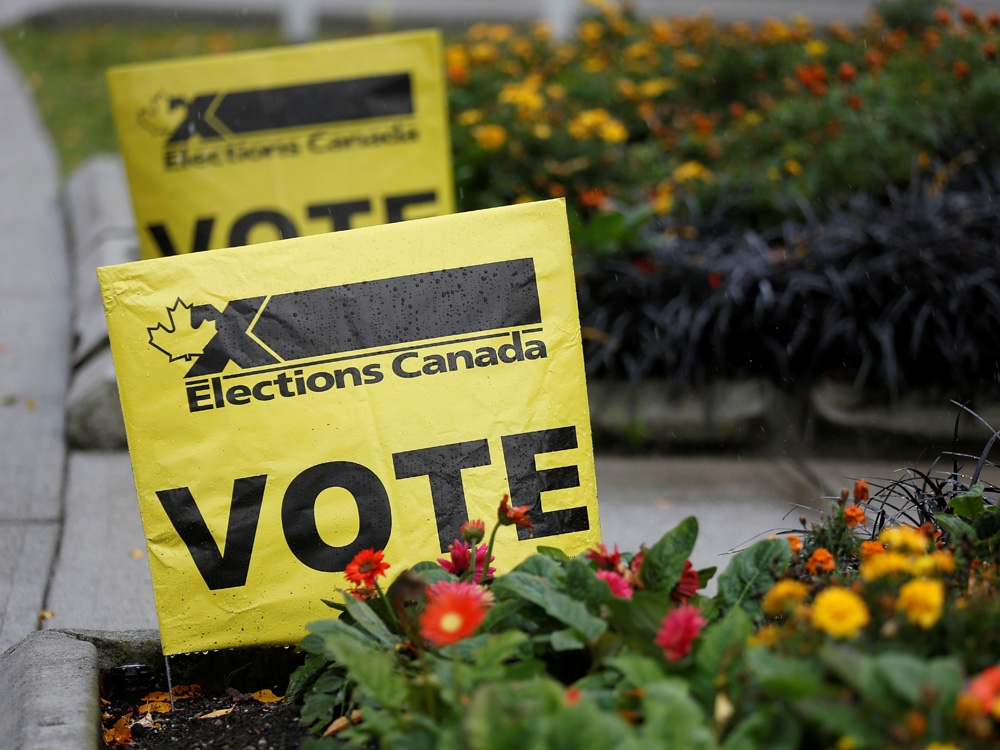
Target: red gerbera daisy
{"points": [[511, 516], [453, 612], [366, 566], [605, 560], [678, 631], [687, 586]]}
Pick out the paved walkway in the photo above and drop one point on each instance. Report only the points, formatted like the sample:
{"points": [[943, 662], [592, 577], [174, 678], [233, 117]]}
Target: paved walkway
{"points": [[71, 544]]}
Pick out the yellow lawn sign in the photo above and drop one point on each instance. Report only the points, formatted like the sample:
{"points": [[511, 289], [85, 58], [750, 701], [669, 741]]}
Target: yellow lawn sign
{"points": [[235, 149], [291, 403]]}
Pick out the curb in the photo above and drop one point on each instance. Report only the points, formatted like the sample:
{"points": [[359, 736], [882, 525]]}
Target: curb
{"points": [[48, 686]]}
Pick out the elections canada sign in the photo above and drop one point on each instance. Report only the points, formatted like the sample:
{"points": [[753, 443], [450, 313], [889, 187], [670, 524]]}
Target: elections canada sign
{"points": [[290, 404], [234, 149]]}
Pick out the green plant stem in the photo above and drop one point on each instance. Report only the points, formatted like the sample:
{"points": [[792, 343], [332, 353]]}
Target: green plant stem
{"points": [[388, 606], [489, 553]]}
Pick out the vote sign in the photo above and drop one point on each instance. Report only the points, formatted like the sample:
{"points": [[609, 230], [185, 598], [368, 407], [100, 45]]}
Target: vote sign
{"points": [[292, 403], [234, 149]]}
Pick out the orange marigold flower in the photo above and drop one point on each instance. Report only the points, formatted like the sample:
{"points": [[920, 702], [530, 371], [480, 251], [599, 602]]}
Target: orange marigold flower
{"points": [[453, 613], [490, 137], [960, 69], [968, 15], [511, 516], [990, 51], [871, 548], [593, 198], [846, 72], [855, 515], [942, 17], [992, 19], [874, 59], [821, 561], [366, 566], [795, 542], [861, 494], [737, 110], [572, 695], [854, 102]]}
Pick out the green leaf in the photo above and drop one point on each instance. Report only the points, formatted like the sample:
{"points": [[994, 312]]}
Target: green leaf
{"points": [[785, 676], [553, 552], [504, 612], [366, 618], [857, 670], [431, 573], [751, 573], [305, 675], [498, 649], [504, 715], [585, 726], [639, 620], [542, 566], [721, 642], [638, 670], [767, 728], [567, 640], [705, 575], [954, 527], [339, 606], [970, 504], [581, 581], [369, 667], [987, 523], [663, 563], [541, 592], [947, 676], [673, 719], [840, 719], [905, 674]]}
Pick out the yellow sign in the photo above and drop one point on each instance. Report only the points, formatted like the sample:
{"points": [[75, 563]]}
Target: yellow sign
{"points": [[247, 147], [292, 403]]}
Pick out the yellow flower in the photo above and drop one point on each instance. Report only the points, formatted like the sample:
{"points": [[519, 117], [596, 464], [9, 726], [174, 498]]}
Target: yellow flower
{"points": [[663, 198], [752, 118], [692, 170], [769, 635], [655, 86], [594, 64], [687, 60], [501, 32], [793, 167], [525, 95], [541, 131], [839, 612], [484, 53], [479, 30], [626, 88], [784, 595], [885, 564], [638, 50], [590, 32], [815, 48], [489, 137], [942, 746], [921, 601], [469, 117], [613, 132], [773, 174], [555, 92], [904, 538], [942, 561]]}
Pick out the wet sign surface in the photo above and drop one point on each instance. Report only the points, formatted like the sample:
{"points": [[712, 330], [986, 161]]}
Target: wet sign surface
{"points": [[233, 149], [292, 403]]}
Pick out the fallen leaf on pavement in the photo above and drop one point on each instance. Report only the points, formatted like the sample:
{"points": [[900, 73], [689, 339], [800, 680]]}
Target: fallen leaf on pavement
{"points": [[340, 724], [156, 707], [120, 733]]}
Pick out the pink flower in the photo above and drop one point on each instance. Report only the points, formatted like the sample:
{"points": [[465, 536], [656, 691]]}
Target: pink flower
{"points": [[461, 560], [678, 630], [619, 586]]}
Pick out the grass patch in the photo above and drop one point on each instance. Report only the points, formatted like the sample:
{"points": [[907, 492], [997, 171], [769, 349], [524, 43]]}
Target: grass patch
{"points": [[65, 65]]}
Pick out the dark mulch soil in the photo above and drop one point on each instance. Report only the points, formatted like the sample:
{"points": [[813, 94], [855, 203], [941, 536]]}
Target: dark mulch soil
{"points": [[249, 726]]}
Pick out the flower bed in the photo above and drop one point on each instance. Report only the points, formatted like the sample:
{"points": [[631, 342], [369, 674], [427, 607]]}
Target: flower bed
{"points": [[773, 200], [876, 627]]}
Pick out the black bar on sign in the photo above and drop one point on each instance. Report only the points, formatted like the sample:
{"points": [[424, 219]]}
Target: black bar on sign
{"points": [[316, 103], [400, 310]]}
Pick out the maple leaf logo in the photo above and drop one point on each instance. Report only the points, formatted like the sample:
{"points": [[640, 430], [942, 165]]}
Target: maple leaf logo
{"points": [[181, 340]]}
